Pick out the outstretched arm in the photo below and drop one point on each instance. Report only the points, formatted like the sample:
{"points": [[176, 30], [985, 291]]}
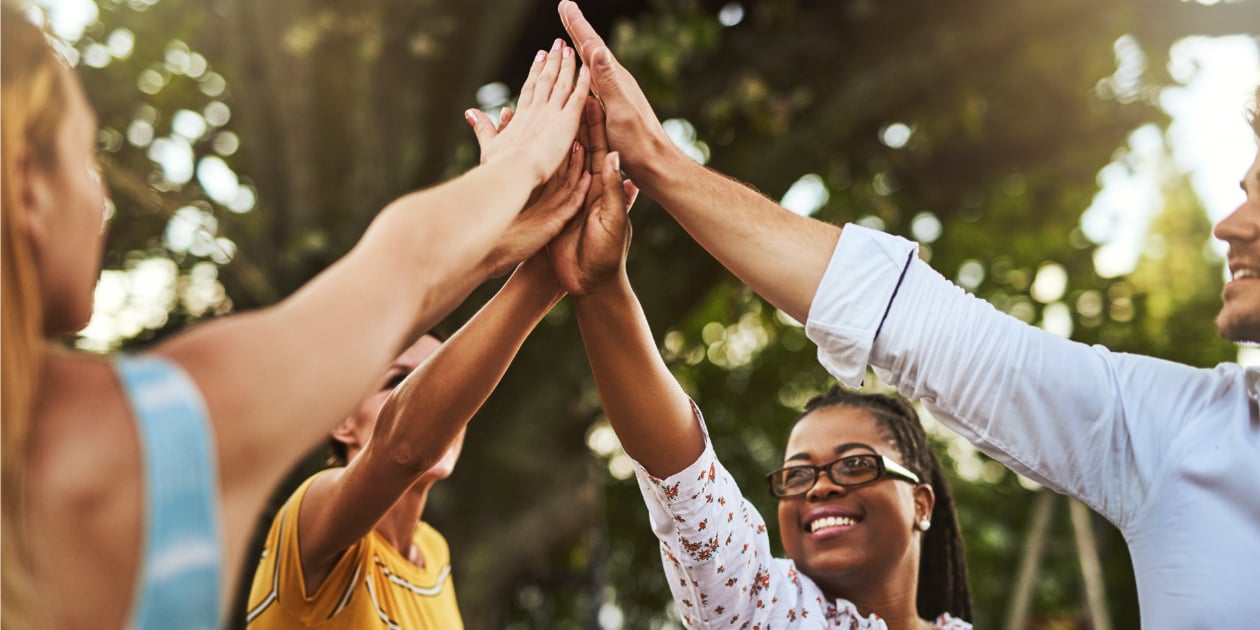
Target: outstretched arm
{"points": [[276, 380], [421, 419], [426, 412], [781, 255], [644, 403]]}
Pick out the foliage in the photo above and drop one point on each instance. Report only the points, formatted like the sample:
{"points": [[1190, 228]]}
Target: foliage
{"points": [[249, 143]]}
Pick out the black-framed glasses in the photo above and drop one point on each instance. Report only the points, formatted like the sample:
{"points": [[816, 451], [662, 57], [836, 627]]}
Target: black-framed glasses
{"points": [[850, 471]]}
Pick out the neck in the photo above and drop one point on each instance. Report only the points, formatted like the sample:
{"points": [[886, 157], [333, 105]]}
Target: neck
{"points": [[892, 596], [398, 526]]}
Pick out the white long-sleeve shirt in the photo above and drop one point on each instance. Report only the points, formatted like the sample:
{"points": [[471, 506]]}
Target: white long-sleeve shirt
{"points": [[718, 562], [1168, 453]]}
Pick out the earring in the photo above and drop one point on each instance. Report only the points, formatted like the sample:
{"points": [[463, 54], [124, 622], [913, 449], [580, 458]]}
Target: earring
{"points": [[924, 524]]}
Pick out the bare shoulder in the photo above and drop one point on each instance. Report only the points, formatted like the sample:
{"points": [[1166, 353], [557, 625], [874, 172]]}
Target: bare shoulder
{"points": [[82, 431], [85, 486]]}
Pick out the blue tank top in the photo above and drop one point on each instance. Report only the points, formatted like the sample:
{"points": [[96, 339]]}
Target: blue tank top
{"points": [[182, 554]]}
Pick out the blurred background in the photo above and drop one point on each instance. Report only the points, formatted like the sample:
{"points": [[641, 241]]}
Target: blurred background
{"points": [[1064, 160]]}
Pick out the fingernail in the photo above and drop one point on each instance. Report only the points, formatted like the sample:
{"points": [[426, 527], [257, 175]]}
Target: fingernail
{"points": [[557, 44], [576, 146], [539, 57], [583, 71], [616, 160], [568, 52], [472, 118]]}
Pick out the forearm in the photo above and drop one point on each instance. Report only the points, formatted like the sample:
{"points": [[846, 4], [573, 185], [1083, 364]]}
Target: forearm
{"points": [[781, 255], [647, 408], [392, 285], [434, 403]]}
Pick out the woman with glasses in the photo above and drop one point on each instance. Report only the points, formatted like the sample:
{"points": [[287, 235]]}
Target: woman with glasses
{"points": [[865, 514]]}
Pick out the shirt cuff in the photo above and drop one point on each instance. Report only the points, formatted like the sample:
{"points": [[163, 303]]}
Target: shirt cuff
{"points": [[853, 298]]}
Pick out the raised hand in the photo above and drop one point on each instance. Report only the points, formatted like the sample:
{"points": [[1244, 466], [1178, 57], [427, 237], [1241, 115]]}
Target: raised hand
{"points": [[547, 114], [633, 128], [592, 248], [550, 207]]}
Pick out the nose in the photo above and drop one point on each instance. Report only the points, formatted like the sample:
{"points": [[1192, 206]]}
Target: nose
{"points": [[824, 487], [1240, 226]]}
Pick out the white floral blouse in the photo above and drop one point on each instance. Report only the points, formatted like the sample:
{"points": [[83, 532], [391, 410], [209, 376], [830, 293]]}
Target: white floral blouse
{"points": [[716, 554]]}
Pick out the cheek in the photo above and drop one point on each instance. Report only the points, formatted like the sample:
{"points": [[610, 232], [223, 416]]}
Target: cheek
{"points": [[369, 410], [789, 532]]}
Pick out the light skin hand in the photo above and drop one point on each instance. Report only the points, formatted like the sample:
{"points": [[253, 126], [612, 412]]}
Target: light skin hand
{"points": [[633, 128], [547, 115], [780, 255], [551, 205]]}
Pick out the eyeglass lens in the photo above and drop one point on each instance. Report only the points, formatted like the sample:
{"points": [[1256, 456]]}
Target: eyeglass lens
{"points": [[846, 471]]}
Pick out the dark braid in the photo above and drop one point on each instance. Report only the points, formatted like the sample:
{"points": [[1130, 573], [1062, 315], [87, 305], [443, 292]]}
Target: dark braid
{"points": [[943, 585]]}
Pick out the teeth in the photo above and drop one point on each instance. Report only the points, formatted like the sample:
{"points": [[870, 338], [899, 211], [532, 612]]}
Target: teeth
{"points": [[831, 521], [1245, 273]]}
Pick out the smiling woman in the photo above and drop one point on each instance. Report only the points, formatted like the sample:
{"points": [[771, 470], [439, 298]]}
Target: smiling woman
{"points": [[890, 476], [872, 543]]}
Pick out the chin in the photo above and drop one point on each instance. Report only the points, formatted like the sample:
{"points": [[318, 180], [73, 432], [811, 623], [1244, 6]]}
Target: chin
{"points": [[1238, 327]]}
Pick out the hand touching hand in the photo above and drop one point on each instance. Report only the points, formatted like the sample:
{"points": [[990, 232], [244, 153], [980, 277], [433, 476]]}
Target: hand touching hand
{"points": [[633, 129], [550, 206], [592, 248], [546, 118]]}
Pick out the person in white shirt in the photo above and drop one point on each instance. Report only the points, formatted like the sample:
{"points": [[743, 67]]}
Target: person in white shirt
{"points": [[1168, 453], [865, 512]]}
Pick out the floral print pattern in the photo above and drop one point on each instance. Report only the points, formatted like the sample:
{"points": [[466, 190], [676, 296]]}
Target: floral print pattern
{"points": [[716, 554]]}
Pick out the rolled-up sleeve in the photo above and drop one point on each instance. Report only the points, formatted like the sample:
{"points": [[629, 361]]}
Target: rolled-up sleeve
{"points": [[1080, 419], [853, 299]]}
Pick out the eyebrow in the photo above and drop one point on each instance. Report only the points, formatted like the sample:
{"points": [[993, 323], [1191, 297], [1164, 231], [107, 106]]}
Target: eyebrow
{"points": [[839, 450]]}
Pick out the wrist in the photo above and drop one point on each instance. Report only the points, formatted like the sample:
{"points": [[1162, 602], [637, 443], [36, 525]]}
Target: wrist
{"points": [[537, 275], [609, 294], [665, 163]]}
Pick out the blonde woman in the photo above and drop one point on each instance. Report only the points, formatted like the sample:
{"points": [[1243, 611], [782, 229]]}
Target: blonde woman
{"points": [[131, 484]]}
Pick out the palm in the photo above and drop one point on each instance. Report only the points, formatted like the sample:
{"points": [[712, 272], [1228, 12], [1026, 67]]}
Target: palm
{"points": [[592, 248]]}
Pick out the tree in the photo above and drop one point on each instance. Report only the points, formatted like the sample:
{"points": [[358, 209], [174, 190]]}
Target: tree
{"points": [[260, 138]]}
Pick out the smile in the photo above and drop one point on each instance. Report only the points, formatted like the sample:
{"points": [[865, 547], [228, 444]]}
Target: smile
{"points": [[830, 522], [1243, 273]]}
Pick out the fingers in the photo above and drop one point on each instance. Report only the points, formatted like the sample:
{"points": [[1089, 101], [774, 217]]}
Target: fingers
{"points": [[575, 165], [614, 201], [584, 137], [605, 82], [595, 124], [581, 89], [580, 31], [547, 77], [567, 174], [483, 128], [564, 83], [631, 192], [528, 89]]}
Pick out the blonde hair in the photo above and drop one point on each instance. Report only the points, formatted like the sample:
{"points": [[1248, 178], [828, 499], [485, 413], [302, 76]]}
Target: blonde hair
{"points": [[33, 100]]}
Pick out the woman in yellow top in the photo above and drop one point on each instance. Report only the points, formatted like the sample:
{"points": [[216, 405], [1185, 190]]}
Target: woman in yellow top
{"points": [[349, 548], [131, 485]]}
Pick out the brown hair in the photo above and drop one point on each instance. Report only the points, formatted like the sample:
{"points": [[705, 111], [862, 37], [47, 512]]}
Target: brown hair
{"points": [[943, 584], [33, 97]]}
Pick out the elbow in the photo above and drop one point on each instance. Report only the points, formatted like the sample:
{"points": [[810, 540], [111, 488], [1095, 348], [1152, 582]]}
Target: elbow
{"points": [[403, 451], [409, 457]]}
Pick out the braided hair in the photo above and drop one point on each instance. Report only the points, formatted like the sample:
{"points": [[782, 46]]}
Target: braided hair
{"points": [[943, 585]]}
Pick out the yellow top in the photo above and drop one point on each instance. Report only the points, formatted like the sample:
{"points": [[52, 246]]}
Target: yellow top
{"points": [[371, 586]]}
